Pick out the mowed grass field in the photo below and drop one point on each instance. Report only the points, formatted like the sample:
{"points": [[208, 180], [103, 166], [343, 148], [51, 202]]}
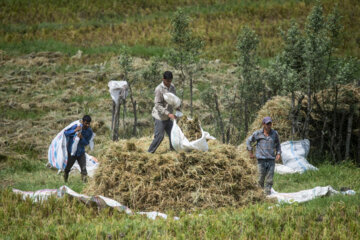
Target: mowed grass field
{"points": [[101, 27], [42, 93]]}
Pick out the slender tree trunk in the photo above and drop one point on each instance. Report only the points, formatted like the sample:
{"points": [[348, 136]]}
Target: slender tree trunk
{"points": [[220, 118], [191, 95], [348, 133], [230, 119], [124, 113], [292, 115], [113, 116], [358, 144], [115, 133], [305, 132], [296, 114], [133, 102], [333, 134], [340, 139], [246, 117], [182, 82], [135, 118], [323, 132]]}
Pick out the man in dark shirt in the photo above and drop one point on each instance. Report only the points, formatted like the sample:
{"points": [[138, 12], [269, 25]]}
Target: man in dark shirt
{"points": [[267, 151], [84, 132]]}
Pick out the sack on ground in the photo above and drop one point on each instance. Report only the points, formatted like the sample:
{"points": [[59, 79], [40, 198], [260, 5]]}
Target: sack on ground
{"points": [[294, 153]]}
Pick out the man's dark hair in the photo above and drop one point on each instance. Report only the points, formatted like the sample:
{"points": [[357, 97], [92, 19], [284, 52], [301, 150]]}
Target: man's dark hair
{"points": [[168, 75], [86, 118]]}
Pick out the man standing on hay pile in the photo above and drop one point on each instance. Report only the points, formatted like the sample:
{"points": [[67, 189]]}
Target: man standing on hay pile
{"points": [[84, 132], [162, 112], [268, 151]]}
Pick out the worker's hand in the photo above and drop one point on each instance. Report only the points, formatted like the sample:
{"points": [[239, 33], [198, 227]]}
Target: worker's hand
{"points": [[251, 155], [78, 128], [171, 116], [80, 135], [277, 159]]}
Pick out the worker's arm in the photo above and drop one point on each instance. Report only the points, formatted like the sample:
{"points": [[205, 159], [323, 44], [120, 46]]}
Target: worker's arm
{"points": [[249, 141], [85, 139], [72, 130], [278, 148], [159, 101]]}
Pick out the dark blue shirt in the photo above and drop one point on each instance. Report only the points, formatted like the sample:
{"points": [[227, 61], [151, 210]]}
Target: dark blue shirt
{"points": [[85, 140], [266, 146]]}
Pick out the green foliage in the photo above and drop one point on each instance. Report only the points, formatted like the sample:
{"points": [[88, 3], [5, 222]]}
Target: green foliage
{"points": [[316, 49], [125, 62], [152, 73], [329, 217], [249, 75]]}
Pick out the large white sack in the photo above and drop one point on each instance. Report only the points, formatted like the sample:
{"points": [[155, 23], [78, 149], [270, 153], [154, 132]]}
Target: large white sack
{"points": [[181, 143], [307, 195], [118, 90], [294, 153], [172, 100], [57, 152]]}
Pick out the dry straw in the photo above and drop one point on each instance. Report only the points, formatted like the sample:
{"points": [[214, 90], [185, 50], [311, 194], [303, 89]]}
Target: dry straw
{"points": [[175, 181], [190, 127]]}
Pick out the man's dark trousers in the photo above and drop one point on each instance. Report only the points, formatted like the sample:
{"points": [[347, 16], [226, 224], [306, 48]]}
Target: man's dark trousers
{"points": [[81, 160], [160, 128]]}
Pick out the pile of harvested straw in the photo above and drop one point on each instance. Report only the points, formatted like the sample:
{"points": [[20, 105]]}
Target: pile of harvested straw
{"points": [[177, 181], [190, 127]]}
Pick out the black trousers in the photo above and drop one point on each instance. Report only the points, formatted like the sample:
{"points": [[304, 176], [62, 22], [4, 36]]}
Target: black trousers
{"points": [[81, 161]]}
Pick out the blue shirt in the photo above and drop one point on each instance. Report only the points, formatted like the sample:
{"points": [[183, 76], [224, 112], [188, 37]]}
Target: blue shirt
{"points": [[85, 140], [266, 146]]}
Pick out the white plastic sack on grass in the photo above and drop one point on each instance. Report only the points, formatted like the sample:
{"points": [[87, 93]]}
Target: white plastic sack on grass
{"points": [[282, 169], [294, 153], [100, 201], [172, 99], [57, 152], [118, 90], [91, 165], [307, 195], [180, 142]]}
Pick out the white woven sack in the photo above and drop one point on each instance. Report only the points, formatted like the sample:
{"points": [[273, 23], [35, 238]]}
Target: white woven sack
{"points": [[181, 143], [294, 153], [118, 90], [172, 100]]}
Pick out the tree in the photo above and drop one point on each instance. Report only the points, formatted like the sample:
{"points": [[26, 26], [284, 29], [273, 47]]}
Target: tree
{"points": [[185, 53], [292, 67], [125, 62], [249, 76], [316, 50]]}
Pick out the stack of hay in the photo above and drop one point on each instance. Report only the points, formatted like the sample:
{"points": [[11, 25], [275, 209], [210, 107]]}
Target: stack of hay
{"points": [[190, 127], [174, 181]]}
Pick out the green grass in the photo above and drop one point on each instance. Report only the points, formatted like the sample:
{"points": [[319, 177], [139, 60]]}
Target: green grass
{"points": [[29, 46], [21, 114], [325, 218]]}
